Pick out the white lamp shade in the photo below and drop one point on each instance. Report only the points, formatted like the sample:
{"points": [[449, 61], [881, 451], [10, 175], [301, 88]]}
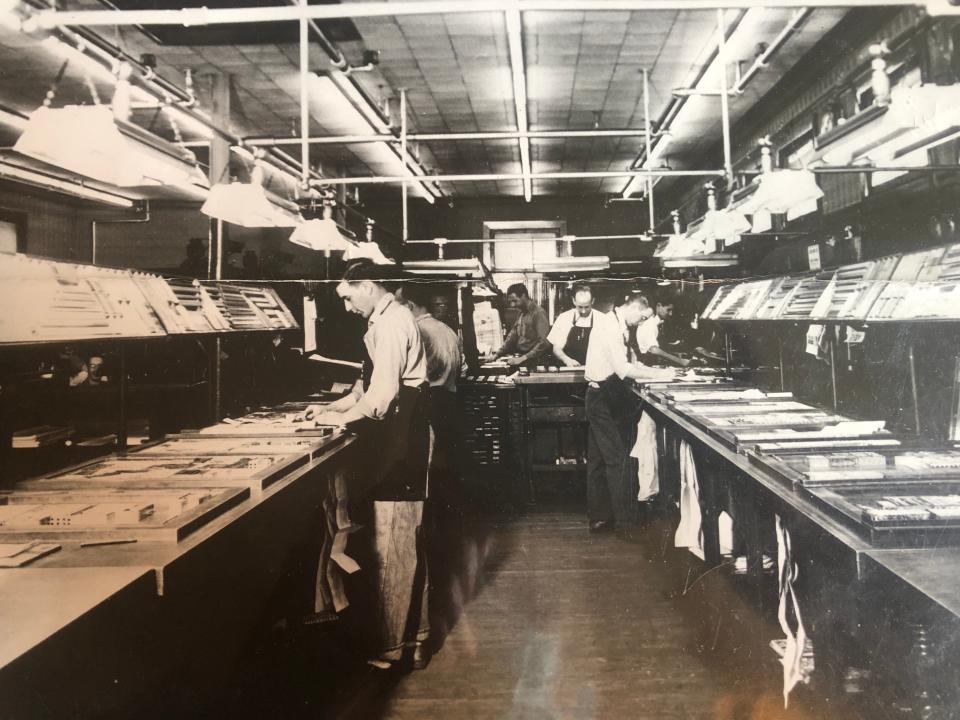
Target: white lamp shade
{"points": [[247, 205], [87, 140], [320, 234], [781, 190], [682, 246], [368, 250]]}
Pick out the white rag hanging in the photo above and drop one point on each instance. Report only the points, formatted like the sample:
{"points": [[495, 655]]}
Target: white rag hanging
{"points": [[690, 530], [789, 608], [725, 533], [645, 451]]}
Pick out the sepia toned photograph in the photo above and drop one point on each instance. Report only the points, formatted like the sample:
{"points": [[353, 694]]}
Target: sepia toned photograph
{"points": [[480, 359]]}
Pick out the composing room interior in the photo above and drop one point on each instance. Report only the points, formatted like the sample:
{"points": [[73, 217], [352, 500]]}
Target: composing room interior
{"points": [[491, 359]]}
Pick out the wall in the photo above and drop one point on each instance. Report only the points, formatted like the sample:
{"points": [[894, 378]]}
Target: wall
{"points": [[53, 223], [61, 228]]}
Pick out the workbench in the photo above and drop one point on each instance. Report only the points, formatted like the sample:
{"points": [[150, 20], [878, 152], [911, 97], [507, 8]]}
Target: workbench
{"points": [[551, 400], [900, 607], [92, 630]]}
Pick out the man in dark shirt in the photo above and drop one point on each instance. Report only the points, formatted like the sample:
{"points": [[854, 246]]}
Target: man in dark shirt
{"points": [[528, 338]]}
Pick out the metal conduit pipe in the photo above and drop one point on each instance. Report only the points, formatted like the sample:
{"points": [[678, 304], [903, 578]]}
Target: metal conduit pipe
{"points": [[663, 124], [475, 177], [442, 137], [474, 241], [796, 20], [220, 16]]}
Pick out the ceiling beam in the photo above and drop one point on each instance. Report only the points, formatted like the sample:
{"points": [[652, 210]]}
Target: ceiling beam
{"points": [[518, 72]]}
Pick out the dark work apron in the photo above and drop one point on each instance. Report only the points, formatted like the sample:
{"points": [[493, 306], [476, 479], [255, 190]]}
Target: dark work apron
{"points": [[577, 341], [618, 394], [400, 443]]}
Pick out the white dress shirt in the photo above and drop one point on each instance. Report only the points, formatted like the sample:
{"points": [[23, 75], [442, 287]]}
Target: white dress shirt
{"points": [[565, 322], [396, 351], [648, 334], [606, 352]]}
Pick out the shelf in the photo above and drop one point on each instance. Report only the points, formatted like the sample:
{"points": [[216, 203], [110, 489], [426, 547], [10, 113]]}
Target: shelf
{"points": [[58, 302], [922, 286]]}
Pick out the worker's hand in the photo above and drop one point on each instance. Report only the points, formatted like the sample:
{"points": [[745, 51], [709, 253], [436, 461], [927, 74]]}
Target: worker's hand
{"points": [[331, 419], [570, 362], [310, 413], [514, 361]]}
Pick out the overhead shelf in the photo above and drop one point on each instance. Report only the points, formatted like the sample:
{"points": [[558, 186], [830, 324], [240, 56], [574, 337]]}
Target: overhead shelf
{"points": [[47, 301], [923, 285]]}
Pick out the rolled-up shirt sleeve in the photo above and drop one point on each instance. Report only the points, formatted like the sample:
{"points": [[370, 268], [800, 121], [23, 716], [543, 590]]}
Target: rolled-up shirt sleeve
{"points": [[560, 331], [388, 364]]}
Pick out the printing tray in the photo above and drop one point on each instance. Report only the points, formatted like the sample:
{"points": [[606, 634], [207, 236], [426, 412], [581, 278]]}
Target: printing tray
{"points": [[112, 514], [846, 504], [837, 467], [191, 445], [255, 472]]}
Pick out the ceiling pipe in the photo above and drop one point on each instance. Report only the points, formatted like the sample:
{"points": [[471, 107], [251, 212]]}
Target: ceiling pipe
{"points": [[474, 241], [220, 16], [795, 21], [663, 125], [479, 177], [444, 137]]}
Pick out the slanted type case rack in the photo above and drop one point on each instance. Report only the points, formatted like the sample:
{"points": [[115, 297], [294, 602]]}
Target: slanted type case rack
{"points": [[922, 285], [47, 301], [113, 514]]}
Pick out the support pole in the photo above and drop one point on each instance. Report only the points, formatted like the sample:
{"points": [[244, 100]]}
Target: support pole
{"points": [[833, 367], [913, 389], [724, 94], [304, 99], [646, 124], [403, 161], [783, 384], [122, 400]]}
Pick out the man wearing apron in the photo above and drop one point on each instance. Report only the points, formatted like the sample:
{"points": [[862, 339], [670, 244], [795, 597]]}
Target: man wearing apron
{"points": [[570, 334], [610, 406], [391, 404]]}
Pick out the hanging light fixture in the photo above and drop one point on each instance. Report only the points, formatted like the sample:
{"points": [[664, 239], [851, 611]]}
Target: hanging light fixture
{"points": [[88, 140], [249, 204], [368, 249], [321, 234]]}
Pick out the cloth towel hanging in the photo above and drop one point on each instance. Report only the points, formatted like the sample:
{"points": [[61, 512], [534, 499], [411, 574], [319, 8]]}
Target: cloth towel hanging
{"points": [[645, 451], [690, 530], [788, 613]]}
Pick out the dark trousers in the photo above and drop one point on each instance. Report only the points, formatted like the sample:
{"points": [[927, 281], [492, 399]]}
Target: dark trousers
{"points": [[608, 492]]}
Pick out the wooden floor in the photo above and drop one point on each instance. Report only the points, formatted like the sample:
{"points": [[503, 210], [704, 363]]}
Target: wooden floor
{"points": [[539, 619], [548, 621]]}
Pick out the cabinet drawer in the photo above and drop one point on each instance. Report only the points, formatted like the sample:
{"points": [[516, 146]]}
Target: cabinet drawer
{"points": [[557, 414]]}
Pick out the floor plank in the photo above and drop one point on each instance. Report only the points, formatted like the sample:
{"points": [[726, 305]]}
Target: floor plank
{"points": [[564, 624]]}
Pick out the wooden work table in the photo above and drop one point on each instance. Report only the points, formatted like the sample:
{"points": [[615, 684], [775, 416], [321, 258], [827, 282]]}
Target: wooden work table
{"points": [[93, 630], [900, 607]]}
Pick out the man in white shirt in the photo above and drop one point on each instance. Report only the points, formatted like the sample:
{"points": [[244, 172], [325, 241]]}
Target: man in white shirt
{"points": [[392, 404], [570, 334], [610, 405], [648, 336]]}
